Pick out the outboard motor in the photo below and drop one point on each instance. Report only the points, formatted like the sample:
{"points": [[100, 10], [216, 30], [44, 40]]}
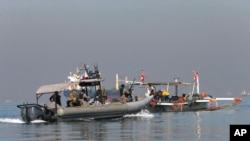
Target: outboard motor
{"points": [[30, 112]]}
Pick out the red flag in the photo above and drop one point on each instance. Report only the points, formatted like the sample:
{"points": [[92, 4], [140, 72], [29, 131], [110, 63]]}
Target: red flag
{"points": [[195, 76], [85, 75], [142, 77]]}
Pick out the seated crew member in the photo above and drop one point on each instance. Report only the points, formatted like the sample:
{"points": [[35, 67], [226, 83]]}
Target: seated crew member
{"points": [[96, 95], [83, 97], [127, 93], [73, 99], [165, 95], [103, 96], [158, 95]]}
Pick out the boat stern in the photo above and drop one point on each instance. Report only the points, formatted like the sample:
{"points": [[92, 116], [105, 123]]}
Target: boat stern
{"points": [[30, 112]]}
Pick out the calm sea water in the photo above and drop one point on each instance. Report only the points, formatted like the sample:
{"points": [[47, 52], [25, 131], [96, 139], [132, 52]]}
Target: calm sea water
{"points": [[146, 126]]}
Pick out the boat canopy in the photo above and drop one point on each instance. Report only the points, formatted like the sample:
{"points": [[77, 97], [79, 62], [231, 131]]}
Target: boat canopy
{"points": [[51, 88]]}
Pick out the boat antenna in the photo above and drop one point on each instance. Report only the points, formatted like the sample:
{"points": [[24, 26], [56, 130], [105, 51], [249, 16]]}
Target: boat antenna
{"points": [[86, 69], [96, 68]]}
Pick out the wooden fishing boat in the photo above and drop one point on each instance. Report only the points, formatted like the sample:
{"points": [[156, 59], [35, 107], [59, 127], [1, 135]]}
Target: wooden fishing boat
{"points": [[192, 100]]}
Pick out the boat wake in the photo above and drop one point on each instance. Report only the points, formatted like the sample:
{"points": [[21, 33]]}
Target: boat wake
{"points": [[143, 113], [16, 120], [11, 120]]}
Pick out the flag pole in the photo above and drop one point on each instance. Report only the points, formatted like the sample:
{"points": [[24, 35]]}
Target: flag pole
{"points": [[196, 78], [197, 82]]}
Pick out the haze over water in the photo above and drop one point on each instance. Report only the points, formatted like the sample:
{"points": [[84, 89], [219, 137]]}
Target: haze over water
{"points": [[41, 42]]}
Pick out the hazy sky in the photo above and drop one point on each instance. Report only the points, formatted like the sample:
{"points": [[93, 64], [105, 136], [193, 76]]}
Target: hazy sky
{"points": [[41, 41]]}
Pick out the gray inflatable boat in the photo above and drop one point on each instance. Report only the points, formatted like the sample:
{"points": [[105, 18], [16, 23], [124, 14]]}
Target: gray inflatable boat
{"points": [[96, 109]]}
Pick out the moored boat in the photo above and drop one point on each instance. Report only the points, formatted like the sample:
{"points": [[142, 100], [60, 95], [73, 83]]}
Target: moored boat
{"points": [[245, 93], [96, 107]]}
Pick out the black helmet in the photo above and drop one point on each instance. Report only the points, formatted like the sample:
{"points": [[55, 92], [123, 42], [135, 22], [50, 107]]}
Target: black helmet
{"points": [[122, 85]]}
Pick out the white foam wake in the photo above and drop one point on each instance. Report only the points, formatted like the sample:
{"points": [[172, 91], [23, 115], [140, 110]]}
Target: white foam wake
{"points": [[16, 120], [11, 120], [38, 121], [142, 113]]}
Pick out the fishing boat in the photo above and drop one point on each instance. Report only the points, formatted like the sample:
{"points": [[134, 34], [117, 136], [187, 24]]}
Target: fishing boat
{"points": [[245, 93], [97, 107], [192, 100]]}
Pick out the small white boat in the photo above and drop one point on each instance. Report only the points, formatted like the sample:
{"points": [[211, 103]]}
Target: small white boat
{"points": [[245, 93]]}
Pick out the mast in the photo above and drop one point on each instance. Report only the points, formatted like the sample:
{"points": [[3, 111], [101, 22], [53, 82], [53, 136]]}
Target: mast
{"points": [[176, 80], [198, 84], [116, 82]]}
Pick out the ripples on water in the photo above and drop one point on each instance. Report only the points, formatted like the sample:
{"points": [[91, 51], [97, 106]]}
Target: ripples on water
{"points": [[146, 126]]}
